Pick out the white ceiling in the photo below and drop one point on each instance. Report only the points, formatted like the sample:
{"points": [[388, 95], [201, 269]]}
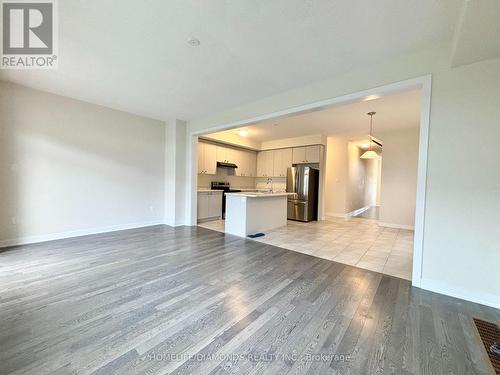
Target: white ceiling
{"points": [[134, 55], [396, 111], [478, 35]]}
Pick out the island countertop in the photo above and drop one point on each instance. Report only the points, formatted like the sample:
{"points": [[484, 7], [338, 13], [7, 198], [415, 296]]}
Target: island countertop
{"points": [[259, 194]]}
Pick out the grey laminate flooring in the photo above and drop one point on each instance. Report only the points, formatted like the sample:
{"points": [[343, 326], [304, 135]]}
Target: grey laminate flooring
{"points": [[189, 300]]}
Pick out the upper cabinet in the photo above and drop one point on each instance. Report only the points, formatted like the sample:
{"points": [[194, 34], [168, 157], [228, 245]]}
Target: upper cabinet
{"points": [[313, 154], [226, 154], [299, 155], [308, 154], [282, 161], [265, 164], [207, 158], [209, 154], [246, 162], [270, 163]]}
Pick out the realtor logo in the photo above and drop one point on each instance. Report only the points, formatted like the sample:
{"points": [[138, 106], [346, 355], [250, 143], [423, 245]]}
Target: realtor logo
{"points": [[29, 34]]}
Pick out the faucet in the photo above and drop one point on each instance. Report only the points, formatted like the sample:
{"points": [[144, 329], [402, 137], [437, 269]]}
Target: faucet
{"points": [[269, 181]]}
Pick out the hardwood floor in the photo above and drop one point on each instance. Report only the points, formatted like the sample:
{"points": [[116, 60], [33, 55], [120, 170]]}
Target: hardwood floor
{"points": [[189, 300]]}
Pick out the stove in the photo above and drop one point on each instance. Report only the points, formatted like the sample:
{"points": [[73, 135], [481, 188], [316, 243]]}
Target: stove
{"points": [[226, 188]]}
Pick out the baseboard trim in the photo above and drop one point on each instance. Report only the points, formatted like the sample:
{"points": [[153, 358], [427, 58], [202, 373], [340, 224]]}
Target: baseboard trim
{"points": [[332, 214], [486, 299], [396, 226], [76, 233]]}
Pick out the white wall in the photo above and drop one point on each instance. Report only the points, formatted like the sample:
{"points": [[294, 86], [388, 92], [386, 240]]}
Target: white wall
{"points": [[336, 177], [371, 181], [232, 138], [356, 178], [175, 172], [461, 254], [307, 140], [69, 167], [399, 177]]}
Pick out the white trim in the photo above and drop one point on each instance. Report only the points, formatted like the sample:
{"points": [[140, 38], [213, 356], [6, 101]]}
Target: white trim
{"points": [[334, 214], [422, 82], [396, 226], [75, 233], [486, 299], [418, 242]]}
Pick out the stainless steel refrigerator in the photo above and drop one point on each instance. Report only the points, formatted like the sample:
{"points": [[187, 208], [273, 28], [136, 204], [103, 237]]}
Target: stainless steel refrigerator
{"points": [[303, 182]]}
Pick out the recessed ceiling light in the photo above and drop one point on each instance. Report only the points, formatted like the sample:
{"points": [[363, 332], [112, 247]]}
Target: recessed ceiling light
{"points": [[243, 132], [194, 42]]}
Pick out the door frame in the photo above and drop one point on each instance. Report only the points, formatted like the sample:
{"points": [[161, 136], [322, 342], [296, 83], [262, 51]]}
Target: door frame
{"points": [[424, 83]]}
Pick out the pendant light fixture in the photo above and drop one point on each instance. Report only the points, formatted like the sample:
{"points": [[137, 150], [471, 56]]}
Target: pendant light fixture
{"points": [[370, 154]]}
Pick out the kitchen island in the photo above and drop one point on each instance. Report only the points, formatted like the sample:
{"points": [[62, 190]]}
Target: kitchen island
{"points": [[253, 212]]}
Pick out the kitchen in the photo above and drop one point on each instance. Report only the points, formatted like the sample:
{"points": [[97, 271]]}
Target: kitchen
{"points": [[243, 190], [364, 215]]}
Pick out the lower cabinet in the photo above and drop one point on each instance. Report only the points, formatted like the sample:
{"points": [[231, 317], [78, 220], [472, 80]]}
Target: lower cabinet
{"points": [[209, 205]]}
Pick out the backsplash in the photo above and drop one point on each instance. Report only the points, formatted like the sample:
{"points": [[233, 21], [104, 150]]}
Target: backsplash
{"points": [[277, 184], [225, 174]]}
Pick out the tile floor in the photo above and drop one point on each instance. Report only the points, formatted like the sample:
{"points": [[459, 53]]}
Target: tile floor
{"points": [[358, 242]]}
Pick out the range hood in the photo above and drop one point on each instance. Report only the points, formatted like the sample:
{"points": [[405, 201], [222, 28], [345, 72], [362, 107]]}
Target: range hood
{"points": [[226, 165]]}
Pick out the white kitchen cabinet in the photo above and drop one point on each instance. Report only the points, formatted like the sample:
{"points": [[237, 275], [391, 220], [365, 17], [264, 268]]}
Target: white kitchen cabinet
{"points": [[241, 161], [226, 154], [309, 154], [246, 162], [265, 164], [252, 164], [207, 161], [203, 206], [215, 205], [299, 155], [312, 154], [209, 205], [282, 160]]}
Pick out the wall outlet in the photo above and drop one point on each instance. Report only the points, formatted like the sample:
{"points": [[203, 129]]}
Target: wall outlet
{"points": [[14, 220]]}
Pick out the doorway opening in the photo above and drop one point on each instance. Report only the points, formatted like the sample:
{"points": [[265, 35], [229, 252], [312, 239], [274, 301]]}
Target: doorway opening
{"points": [[380, 232]]}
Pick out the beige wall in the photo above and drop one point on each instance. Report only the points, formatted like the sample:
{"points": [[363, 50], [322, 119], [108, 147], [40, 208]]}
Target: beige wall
{"points": [[399, 177], [225, 174], [67, 167], [356, 178], [336, 176], [461, 255], [351, 182], [371, 181]]}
